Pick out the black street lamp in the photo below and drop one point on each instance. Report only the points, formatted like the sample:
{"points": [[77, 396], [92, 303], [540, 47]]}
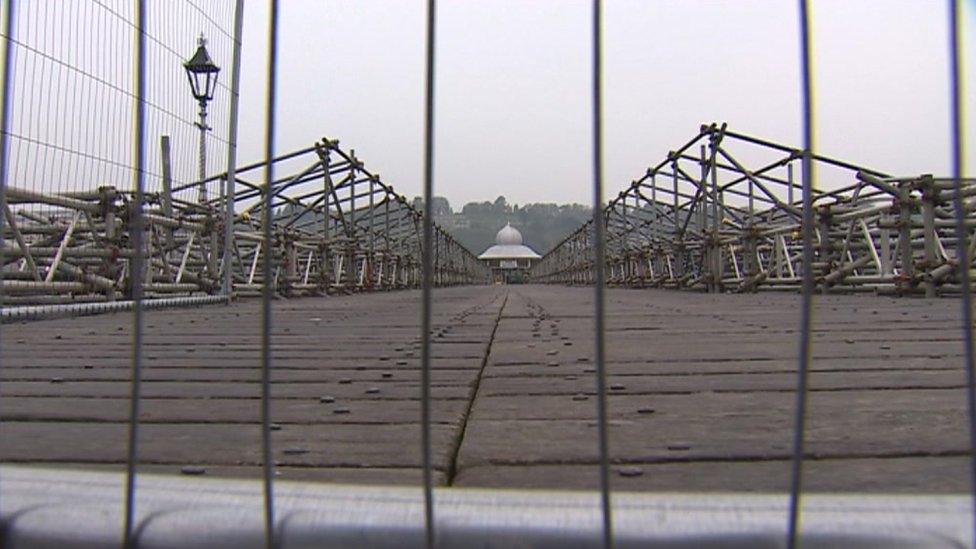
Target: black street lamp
{"points": [[202, 73]]}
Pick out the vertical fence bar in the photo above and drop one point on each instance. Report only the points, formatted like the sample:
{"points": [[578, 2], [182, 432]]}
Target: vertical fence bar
{"points": [[806, 305], [266, 285], [231, 179], [962, 233], [166, 198], [8, 29], [427, 257], [599, 267], [136, 268]]}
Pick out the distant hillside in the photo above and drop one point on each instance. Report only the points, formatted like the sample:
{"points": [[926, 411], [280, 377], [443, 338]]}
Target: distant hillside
{"points": [[542, 225]]}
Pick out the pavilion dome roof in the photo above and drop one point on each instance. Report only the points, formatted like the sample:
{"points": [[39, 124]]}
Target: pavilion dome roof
{"points": [[508, 245], [508, 236]]}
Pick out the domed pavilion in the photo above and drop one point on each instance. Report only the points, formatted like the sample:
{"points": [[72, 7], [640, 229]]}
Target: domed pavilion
{"points": [[509, 259]]}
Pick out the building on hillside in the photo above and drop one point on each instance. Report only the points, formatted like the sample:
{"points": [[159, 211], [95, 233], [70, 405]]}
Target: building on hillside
{"points": [[509, 259]]}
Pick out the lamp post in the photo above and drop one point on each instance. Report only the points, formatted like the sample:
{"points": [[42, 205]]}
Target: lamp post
{"points": [[202, 73]]}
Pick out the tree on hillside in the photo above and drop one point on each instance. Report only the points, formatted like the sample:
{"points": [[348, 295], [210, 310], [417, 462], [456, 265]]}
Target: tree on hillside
{"points": [[475, 210], [501, 207]]}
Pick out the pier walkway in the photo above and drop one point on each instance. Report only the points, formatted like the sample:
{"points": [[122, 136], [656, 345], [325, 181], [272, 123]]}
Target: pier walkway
{"points": [[701, 390]]}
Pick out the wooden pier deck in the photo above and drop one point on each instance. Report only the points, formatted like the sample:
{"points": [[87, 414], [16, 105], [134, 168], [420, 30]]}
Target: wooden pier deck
{"points": [[701, 390]]}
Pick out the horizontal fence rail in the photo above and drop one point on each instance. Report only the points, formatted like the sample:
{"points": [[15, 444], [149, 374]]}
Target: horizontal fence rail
{"points": [[181, 512], [701, 219]]}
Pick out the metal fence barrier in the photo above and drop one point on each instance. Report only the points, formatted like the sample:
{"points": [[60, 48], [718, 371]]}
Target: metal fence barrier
{"points": [[95, 219]]}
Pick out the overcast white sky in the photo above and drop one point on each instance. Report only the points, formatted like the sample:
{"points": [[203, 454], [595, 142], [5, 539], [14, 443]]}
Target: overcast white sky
{"points": [[513, 85]]}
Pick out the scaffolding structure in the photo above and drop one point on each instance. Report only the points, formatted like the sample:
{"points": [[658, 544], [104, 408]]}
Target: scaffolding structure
{"points": [[337, 228], [708, 222]]}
